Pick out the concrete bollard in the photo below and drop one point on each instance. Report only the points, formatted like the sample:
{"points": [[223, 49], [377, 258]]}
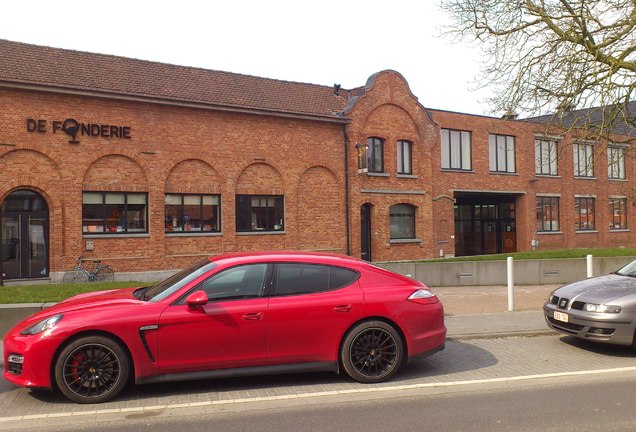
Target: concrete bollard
{"points": [[590, 266], [511, 287]]}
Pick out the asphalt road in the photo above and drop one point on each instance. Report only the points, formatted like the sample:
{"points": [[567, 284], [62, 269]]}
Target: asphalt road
{"points": [[521, 379], [598, 405]]}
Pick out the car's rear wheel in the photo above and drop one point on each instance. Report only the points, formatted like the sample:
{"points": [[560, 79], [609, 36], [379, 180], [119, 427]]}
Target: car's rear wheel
{"points": [[371, 352], [92, 369]]}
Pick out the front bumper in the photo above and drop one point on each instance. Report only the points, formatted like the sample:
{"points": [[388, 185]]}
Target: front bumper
{"points": [[36, 353], [615, 329]]}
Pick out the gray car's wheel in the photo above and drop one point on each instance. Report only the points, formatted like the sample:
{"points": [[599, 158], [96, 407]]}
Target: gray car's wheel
{"points": [[371, 352], [92, 369]]}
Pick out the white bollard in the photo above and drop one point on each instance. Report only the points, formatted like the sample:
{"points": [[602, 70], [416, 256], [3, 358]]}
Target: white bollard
{"points": [[511, 287], [590, 267]]}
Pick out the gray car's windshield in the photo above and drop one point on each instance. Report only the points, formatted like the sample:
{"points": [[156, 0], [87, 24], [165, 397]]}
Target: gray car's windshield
{"points": [[628, 270], [173, 283]]}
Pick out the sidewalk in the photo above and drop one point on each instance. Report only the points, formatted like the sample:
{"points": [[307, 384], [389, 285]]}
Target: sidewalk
{"points": [[478, 312]]}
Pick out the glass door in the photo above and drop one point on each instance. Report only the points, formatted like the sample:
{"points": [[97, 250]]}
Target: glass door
{"points": [[24, 236]]}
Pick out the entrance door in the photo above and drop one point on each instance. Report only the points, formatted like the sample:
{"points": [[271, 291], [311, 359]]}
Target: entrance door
{"points": [[365, 232], [24, 236]]}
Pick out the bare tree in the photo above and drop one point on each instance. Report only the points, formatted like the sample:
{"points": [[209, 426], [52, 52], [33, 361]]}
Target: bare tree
{"points": [[555, 56]]}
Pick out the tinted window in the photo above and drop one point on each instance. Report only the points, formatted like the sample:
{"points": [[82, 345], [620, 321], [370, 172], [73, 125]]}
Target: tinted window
{"points": [[241, 282], [311, 278]]}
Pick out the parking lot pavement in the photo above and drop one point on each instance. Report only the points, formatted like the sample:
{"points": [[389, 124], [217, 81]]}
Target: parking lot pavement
{"points": [[463, 362]]}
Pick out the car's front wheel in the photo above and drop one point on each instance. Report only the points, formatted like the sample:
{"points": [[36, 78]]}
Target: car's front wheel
{"points": [[92, 369], [371, 352]]}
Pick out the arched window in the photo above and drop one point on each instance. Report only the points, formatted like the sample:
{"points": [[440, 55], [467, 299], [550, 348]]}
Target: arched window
{"points": [[402, 219]]}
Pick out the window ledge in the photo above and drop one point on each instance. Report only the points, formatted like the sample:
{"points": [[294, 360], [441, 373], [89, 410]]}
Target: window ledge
{"points": [[115, 235], [584, 178], [586, 232], [547, 176], [504, 173], [257, 233], [620, 230], [193, 234], [408, 176], [617, 179], [378, 174], [549, 232], [406, 241], [458, 170]]}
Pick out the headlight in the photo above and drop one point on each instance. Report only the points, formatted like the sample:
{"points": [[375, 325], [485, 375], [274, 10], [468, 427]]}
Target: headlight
{"points": [[591, 307], [45, 324]]}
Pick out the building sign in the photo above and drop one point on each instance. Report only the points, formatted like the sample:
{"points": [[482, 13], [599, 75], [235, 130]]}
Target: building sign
{"points": [[75, 129]]}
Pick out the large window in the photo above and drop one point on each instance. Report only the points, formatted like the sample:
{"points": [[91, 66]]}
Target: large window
{"points": [[617, 213], [545, 155], [583, 159], [256, 213], [547, 214], [456, 150], [192, 213], [616, 163], [404, 156], [375, 154], [402, 219], [584, 214], [502, 153], [114, 212]]}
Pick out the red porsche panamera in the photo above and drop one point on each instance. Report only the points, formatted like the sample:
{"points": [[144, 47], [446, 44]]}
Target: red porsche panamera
{"points": [[230, 315]]}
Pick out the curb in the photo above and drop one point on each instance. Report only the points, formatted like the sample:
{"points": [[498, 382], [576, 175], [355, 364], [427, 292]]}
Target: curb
{"points": [[520, 333]]}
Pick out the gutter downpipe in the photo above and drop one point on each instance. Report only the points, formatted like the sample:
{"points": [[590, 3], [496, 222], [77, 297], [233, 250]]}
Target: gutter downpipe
{"points": [[347, 206]]}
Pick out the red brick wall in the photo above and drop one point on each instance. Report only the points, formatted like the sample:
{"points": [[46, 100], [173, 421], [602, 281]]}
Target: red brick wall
{"points": [[173, 149]]}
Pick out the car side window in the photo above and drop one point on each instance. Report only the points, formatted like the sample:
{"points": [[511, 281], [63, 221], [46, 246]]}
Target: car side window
{"points": [[299, 278], [241, 282]]}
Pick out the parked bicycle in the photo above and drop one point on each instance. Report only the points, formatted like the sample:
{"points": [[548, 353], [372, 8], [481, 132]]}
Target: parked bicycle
{"points": [[81, 274]]}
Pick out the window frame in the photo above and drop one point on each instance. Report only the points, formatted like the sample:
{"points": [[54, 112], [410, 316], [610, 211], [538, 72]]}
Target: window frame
{"points": [[404, 154], [552, 155], [578, 214], [393, 233], [509, 159], [375, 150], [587, 171], [619, 203], [104, 220], [447, 149], [250, 212], [553, 203], [201, 205], [619, 163]]}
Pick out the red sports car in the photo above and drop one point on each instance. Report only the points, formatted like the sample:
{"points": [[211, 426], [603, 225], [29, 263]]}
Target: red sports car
{"points": [[230, 315]]}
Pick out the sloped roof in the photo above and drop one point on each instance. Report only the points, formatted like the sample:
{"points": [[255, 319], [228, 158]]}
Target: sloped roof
{"points": [[622, 120], [62, 69]]}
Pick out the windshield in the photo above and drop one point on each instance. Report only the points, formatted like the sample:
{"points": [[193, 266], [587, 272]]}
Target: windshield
{"points": [[628, 270], [173, 283]]}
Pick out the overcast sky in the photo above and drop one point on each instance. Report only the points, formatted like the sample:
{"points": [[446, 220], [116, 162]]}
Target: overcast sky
{"points": [[321, 41]]}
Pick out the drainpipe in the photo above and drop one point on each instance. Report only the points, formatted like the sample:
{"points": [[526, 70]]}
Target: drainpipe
{"points": [[346, 167]]}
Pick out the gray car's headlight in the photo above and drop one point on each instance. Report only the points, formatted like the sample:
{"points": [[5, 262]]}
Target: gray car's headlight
{"points": [[591, 307], [45, 324]]}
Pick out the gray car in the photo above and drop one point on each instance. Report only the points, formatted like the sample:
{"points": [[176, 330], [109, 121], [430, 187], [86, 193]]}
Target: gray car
{"points": [[600, 309]]}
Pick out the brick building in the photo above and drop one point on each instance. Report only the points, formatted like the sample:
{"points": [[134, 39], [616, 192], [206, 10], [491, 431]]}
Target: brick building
{"points": [[149, 166]]}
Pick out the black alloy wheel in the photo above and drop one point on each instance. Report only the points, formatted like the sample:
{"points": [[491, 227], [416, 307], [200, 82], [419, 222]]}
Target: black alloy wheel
{"points": [[92, 369], [372, 352]]}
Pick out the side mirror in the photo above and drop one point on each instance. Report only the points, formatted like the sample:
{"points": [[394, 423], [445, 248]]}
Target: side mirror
{"points": [[197, 298]]}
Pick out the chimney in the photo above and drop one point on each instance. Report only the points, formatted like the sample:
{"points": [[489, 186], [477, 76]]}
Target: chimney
{"points": [[336, 89]]}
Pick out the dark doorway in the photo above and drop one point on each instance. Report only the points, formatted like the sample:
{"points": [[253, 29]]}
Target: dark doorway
{"points": [[24, 236], [485, 224], [365, 232]]}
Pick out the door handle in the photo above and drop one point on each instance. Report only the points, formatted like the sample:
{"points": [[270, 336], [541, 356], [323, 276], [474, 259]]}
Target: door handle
{"points": [[254, 316], [343, 308]]}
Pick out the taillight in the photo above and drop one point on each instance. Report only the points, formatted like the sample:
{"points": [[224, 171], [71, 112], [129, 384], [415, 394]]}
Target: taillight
{"points": [[423, 296]]}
